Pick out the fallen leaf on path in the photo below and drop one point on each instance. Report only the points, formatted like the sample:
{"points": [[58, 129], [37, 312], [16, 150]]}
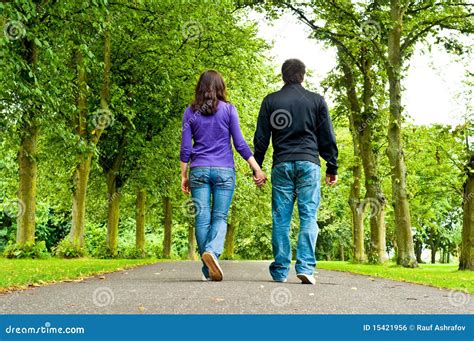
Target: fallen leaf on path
{"points": [[311, 294], [141, 308], [101, 277], [354, 288]]}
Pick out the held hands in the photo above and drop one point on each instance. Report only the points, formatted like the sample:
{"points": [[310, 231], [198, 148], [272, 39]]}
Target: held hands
{"points": [[259, 178], [331, 179]]}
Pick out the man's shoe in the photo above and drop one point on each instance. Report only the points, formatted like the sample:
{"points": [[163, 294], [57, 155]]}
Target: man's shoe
{"points": [[215, 271], [306, 279]]}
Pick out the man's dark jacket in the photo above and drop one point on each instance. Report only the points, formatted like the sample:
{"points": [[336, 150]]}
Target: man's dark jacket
{"points": [[299, 124]]}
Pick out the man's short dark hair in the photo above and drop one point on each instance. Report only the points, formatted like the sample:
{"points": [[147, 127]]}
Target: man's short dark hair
{"points": [[293, 71]]}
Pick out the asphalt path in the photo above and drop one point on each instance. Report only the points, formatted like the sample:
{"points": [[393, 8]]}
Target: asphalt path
{"points": [[177, 288]]}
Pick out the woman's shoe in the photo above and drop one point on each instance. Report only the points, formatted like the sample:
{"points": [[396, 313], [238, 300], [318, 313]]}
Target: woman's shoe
{"points": [[215, 271]]}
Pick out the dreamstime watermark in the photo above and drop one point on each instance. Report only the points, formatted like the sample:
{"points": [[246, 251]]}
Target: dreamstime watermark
{"points": [[203, 109], [370, 29], [191, 207], [13, 208], [287, 201], [14, 30], [102, 119], [366, 122], [467, 198], [281, 296], [374, 204], [192, 30], [458, 298], [281, 119], [46, 329], [103, 297]]}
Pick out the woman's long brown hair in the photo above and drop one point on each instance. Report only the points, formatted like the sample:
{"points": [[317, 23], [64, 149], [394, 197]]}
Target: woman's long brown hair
{"points": [[210, 89]]}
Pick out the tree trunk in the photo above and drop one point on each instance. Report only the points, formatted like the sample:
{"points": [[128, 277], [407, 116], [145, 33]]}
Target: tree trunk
{"points": [[81, 179], [467, 249], [167, 211], [418, 252], [358, 233], [191, 241], [433, 254], [374, 195], [375, 199], [27, 164], [230, 236], [140, 221], [406, 253], [105, 91], [81, 174], [341, 252], [28, 169], [113, 215]]}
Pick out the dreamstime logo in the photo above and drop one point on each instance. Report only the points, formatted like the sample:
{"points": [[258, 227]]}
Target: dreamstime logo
{"points": [[281, 119], [467, 198], [375, 206], [103, 297], [366, 122], [14, 30], [191, 207], [102, 119], [281, 296], [370, 29], [192, 30], [458, 298], [14, 208]]}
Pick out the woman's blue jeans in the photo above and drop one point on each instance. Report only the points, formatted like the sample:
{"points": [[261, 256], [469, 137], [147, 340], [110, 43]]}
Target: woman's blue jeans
{"points": [[212, 189]]}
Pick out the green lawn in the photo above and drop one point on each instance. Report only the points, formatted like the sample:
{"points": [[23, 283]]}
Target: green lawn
{"points": [[21, 273], [437, 275]]}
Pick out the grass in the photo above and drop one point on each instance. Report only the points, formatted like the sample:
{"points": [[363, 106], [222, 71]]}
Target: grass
{"points": [[22, 273], [436, 275]]}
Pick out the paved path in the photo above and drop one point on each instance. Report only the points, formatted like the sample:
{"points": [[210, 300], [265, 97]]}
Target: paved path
{"points": [[175, 288]]}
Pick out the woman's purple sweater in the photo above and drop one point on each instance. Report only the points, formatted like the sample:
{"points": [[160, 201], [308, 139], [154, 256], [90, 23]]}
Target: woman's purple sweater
{"points": [[211, 135]]}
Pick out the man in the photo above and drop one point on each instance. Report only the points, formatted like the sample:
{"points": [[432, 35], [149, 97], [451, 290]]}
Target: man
{"points": [[298, 122]]}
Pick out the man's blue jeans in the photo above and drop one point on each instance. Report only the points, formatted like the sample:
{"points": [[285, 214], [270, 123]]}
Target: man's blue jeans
{"points": [[216, 184], [294, 181]]}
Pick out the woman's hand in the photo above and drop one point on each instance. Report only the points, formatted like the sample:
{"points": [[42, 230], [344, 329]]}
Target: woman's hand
{"points": [[185, 185], [259, 178]]}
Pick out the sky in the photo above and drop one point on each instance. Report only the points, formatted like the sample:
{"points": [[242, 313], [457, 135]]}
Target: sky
{"points": [[431, 87]]}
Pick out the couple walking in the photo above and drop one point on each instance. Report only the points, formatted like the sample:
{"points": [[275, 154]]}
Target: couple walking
{"points": [[298, 123]]}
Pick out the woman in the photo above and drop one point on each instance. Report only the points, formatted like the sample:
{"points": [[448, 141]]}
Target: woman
{"points": [[210, 122]]}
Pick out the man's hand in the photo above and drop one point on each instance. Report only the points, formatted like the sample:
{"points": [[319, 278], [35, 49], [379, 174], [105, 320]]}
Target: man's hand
{"points": [[259, 178], [185, 185], [331, 179]]}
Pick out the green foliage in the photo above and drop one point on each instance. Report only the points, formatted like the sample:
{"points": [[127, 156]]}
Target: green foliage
{"points": [[28, 250], [66, 249], [257, 244]]}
